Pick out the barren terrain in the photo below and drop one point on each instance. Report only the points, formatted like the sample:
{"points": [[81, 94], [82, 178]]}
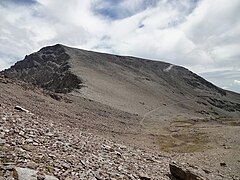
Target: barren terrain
{"points": [[154, 108]]}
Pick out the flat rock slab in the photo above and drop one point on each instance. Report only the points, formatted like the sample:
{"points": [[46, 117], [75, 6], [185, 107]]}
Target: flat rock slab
{"points": [[25, 174], [29, 174], [185, 173]]}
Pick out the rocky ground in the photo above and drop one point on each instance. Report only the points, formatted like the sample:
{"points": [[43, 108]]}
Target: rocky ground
{"points": [[42, 141], [67, 153]]}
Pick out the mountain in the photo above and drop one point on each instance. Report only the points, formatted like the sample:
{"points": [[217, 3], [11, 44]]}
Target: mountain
{"points": [[93, 115], [130, 84]]}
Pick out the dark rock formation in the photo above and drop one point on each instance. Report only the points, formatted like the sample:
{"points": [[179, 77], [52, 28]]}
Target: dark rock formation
{"points": [[49, 68], [184, 173]]}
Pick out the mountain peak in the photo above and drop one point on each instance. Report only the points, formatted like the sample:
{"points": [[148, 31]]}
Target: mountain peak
{"points": [[48, 68], [119, 81]]}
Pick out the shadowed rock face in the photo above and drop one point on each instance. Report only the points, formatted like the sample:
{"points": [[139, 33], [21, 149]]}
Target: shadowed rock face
{"points": [[48, 68]]}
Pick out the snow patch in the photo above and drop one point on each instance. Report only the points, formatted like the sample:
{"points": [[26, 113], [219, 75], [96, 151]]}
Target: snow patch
{"points": [[168, 68]]}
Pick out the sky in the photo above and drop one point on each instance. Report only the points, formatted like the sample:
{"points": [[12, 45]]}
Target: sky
{"points": [[201, 35]]}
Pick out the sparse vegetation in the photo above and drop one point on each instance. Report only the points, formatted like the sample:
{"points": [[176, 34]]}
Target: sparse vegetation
{"points": [[183, 143]]}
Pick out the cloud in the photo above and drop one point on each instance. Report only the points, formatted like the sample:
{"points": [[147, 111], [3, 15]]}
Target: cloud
{"points": [[201, 35], [236, 82], [226, 79]]}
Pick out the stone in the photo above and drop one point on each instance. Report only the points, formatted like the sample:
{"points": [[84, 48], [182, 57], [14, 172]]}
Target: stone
{"points": [[19, 108], [21, 133], [2, 134], [30, 174], [4, 118], [40, 177], [32, 165], [183, 173], [47, 177], [143, 176], [2, 141], [29, 140], [223, 164], [25, 174], [8, 167]]}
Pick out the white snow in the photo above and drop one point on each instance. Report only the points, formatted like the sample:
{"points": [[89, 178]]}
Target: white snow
{"points": [[168, 68]]}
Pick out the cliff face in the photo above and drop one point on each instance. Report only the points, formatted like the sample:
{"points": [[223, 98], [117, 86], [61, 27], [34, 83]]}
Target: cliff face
{"points": [[48, 68]]}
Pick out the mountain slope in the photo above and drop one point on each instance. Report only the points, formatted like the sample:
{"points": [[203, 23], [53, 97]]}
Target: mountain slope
{"points": [[127, 83], [149, 104]]}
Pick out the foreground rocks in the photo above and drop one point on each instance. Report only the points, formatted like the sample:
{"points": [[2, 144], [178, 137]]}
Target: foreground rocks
{"points": [[34, 147]]}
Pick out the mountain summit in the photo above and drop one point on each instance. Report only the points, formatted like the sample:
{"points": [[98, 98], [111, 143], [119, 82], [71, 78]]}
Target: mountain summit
{"points": [[127, 83]]}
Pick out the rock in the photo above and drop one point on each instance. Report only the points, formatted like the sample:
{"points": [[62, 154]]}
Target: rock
{"points": [[2, 141], [227, 147], [183, 173], [49, 134], [32, 165], [223, 164], [29, 174], [21, 133], [143, 176], [8, 167], [25, 174], [47, 177], [2, 134], [29, 140], [4, 118], [19, 108], [40, 177]]}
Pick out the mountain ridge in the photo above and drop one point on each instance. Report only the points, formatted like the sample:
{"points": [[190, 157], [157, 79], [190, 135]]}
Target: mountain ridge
{"points": [[127, 83], [59, 48]]}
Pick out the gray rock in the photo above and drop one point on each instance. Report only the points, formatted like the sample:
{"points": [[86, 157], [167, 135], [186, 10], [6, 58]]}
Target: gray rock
{"points": [[143, 176], [29, 174], [47, 177], [32, 165], [2, 141], [25, 174], [183, 173]]}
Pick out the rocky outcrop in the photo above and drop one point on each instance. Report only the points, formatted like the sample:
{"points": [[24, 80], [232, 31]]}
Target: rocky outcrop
{"points": [[222, 104], [48, 68], [185, 172]]}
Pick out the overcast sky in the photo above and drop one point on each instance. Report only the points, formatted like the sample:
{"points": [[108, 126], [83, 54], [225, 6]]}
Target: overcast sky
{"points": [[202, 35]]}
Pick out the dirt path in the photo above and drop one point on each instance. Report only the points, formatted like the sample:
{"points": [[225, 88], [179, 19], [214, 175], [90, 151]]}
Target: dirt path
{"points": [[156, 109]]}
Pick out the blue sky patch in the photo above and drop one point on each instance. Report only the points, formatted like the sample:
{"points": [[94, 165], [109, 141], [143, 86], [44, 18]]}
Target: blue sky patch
{"points": [[113, 9], [19, 2]]}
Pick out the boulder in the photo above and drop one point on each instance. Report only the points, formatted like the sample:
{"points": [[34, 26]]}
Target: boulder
{"points": [[29, 174], [184, 172]]}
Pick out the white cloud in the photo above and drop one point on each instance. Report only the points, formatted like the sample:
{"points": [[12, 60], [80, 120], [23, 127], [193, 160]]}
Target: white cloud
{"points": [[201, 35], [236, 82]]}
